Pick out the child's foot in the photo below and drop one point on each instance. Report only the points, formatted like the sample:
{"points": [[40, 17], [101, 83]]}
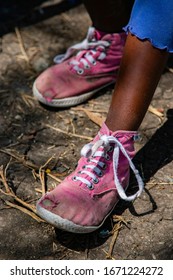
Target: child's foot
{"points": [[76, 78], [83, 201]]}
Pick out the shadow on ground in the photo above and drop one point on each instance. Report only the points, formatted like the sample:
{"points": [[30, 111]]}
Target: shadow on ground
{"points": [[158, 151], [21, 13]]}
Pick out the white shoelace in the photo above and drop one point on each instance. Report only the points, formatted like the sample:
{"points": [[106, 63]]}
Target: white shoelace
{"points": [[87, 44], [91, 151]]}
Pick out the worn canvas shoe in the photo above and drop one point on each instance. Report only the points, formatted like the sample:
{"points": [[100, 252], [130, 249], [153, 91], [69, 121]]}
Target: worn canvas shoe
{"points": [[83, 201], [76, 78]]}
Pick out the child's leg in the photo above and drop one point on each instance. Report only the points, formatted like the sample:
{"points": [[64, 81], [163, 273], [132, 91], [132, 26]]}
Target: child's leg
{"points": [[140, 71], [109, 16], [143, 62]]}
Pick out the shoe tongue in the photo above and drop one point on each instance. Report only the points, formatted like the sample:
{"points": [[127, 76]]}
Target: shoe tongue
{"points": [[105, 130]]}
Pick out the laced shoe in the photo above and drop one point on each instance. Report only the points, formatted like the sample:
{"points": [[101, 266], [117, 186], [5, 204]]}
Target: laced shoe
{"points": [[75, 78], [83, 201]]}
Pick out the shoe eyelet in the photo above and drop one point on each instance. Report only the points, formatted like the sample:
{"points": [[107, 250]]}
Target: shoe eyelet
{"points": [[91, 187], [110, 149], [87, 67], [104, 166], [80, 71], [95, 181], [107, 157], [84, 166], [74, 178], [100, 174], [94, 62]]}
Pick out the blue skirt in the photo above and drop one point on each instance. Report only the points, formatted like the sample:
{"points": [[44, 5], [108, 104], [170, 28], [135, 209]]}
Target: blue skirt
{"points": [[153, 20]]}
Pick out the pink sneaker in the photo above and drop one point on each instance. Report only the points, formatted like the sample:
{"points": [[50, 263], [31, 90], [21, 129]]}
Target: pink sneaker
{"points": [[83, 201], [74, 80]]}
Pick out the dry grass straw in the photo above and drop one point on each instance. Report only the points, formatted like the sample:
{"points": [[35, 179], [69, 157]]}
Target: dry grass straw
{"points": [[20, 158], [42, 174], [24, 210], [119, 221], [26, 207], [21, 45], [93, 114], [69, 133], [28, 100], [155, 111], [29, 164]]}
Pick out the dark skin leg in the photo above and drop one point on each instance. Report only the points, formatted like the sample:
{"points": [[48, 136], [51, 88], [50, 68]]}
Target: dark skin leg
{"points": [[139, 74], [109, 16], [140, 70]]}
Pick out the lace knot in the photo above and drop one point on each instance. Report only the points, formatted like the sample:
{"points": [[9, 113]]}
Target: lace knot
{"points": [[99, 151]]}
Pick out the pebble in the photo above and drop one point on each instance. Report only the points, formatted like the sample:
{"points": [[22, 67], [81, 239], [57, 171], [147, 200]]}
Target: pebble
{"points": [[40, 64]]}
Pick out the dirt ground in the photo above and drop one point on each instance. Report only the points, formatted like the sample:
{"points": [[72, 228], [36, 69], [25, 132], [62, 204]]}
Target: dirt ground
{"points": [[34, 156]]}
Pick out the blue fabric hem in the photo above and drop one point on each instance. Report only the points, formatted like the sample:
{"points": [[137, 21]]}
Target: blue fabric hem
{"points": [[130, 29]]}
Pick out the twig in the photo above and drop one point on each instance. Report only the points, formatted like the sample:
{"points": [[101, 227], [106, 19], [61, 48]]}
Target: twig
{"points": [[54, 177], [5, 170], [89, 109], [28, 100], [42, 180], [24, 210], [107, 254], [20, 159], [31, 207], [9, 192], [119, 220], [21, 44], [38, 190], [73, 127], [157, 183], [115, 230], [69, 133], [4, 181], [154, 111], [47, 162], [42, 174]]}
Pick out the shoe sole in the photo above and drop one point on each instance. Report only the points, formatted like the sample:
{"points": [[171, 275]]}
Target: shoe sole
{"points": [[69, 101], [65, 224]]}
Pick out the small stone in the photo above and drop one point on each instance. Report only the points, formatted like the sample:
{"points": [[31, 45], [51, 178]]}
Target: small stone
{"points": [[40, 64], [18, 118]]}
